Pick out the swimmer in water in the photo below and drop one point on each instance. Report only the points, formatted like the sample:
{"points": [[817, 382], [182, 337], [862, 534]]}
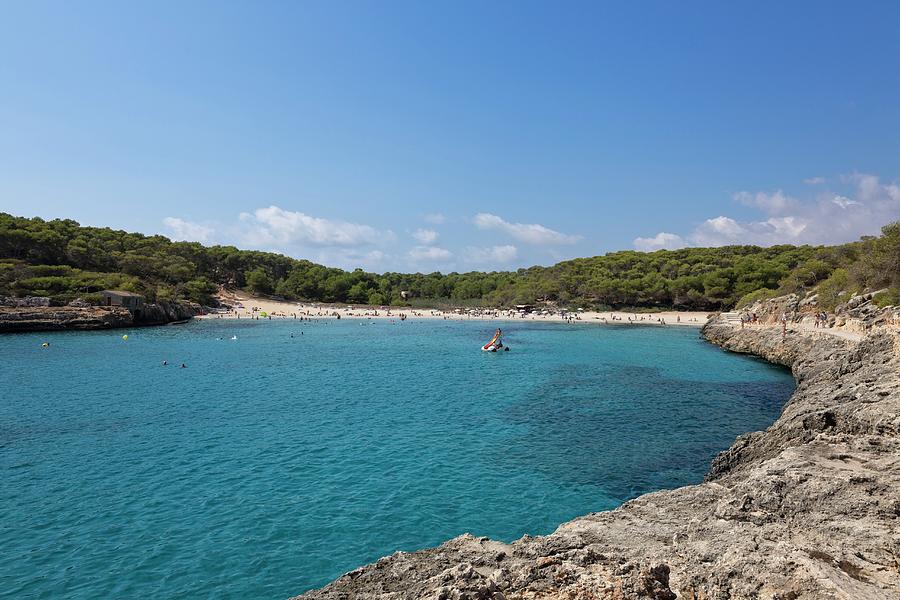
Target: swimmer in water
{"points": [[165, 362], [183, 366]]}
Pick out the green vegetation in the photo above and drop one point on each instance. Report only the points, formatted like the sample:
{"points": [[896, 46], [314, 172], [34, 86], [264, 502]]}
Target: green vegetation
{"points": [[760, 294], [833, 290], [63, 260]]}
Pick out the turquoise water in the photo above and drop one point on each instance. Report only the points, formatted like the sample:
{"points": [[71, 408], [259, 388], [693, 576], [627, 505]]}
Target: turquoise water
{"points": [[273, 464]]}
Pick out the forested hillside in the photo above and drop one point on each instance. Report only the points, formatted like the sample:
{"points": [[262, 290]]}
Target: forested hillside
{"points": [[64, 260]]}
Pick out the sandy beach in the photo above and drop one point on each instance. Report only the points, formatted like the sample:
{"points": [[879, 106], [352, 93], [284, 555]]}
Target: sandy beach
{"points": [[246, 306]]}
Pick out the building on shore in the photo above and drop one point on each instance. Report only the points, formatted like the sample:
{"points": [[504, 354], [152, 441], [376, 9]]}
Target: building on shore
{"points": [[129, 300]]}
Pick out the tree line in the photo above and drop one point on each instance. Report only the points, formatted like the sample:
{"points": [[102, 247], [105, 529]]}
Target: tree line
{"points": [[63, 260]]}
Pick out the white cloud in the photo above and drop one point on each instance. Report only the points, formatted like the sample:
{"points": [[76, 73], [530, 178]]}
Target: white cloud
{"points": [[527, 233], [435, 218], [662, 240], [872, 191], [723, 231], [494, 254], [274, 226], [774, 203], [425, 236], [843, 201], [186, 231], [718, 231], [814, 180], [429, 253], [829, 218]]}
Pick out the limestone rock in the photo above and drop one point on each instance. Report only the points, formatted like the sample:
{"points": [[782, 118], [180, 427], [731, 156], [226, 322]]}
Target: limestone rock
{"points": [[79, 317]]}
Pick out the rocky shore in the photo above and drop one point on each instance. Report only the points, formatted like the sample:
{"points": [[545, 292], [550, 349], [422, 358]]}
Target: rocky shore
{"points": [[808, 509], [37, 317]]}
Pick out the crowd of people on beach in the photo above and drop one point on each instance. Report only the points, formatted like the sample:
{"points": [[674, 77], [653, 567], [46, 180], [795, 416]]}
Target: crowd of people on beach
{"points": [[253, 308]]}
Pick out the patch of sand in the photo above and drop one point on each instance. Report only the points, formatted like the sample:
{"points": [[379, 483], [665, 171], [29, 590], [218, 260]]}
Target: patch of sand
{"points": [[248, 306]]}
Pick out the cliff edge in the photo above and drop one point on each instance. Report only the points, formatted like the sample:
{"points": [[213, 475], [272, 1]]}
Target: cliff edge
{"points": [[16, 319], [808, 509]]}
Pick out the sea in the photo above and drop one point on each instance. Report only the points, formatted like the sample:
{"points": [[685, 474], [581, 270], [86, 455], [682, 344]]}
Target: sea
{"points": [[286, 453]]}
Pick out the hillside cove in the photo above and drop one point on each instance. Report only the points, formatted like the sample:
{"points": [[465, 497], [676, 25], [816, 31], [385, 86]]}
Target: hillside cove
{"points": [[313, 447], [806, 509], [306, 300]]}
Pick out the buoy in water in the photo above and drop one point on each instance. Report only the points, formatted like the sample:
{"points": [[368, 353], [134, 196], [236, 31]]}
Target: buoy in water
{"points": [[125, 337]]}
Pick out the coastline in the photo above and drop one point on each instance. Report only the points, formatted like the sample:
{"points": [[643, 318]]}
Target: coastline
{"points": [[802, 510], [243, 305], [92, 318]]}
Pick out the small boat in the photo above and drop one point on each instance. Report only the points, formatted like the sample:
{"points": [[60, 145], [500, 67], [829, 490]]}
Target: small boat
{"points": [[495, 344]]}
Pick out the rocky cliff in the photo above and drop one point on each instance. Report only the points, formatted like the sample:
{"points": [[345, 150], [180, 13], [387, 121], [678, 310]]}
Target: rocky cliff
{"points": [[808, 509], [80, 316]]}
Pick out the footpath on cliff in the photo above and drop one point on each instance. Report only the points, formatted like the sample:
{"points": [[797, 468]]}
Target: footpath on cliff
{"points": [[807, 509]]}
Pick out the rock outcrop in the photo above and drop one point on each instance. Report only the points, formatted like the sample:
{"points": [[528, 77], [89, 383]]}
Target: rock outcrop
{"points": [[56, 318], [167, 312], [79, 317], [808, 509], [26, 302], [856, 316]]}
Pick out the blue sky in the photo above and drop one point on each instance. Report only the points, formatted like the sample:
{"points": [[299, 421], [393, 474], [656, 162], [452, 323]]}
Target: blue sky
{"points": [[454, 136]]}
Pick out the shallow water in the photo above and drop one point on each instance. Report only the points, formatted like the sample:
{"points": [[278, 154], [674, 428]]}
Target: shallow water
{"points": [[273, 464]]}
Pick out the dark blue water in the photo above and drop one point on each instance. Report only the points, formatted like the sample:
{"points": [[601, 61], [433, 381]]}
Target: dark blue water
{"points": [[273, 464]]}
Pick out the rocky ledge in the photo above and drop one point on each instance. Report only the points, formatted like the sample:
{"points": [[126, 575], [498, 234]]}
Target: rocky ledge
{"points": [[84, 317], [808, 509]]}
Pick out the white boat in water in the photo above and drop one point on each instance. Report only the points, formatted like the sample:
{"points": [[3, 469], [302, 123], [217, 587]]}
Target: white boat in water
{"points": [[495, 344]]}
